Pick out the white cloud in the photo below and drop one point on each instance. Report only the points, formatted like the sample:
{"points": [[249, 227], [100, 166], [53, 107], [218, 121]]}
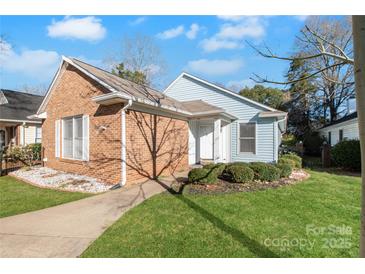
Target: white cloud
{"points": [[233, 31], [138, 21], [39, 64], [193, 31], [214, 44], [251, 27], [215, 67], [171, 33], [301, 18], [233, 18], [87, 28], [238, 85]]}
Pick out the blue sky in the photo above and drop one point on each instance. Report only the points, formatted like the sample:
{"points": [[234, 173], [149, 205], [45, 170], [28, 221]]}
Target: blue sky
{"points": [[212, 47]]}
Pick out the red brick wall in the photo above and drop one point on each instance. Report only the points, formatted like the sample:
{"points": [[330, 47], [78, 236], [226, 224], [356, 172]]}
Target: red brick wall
{"points": [[72, 96], [170, 148]]}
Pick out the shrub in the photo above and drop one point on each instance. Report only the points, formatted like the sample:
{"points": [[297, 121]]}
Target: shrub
{"points": [[26, 154], [297, 160], [286, 161], [36, 150], [312, 143], [285, 170], [202, 175], [265, 172], [289, 140], [217, 168], [347, 154], [239, 173]]}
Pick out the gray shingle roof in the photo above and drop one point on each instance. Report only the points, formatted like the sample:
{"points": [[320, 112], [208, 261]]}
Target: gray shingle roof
{"points": [[129, 87], [343, 119], [198, 106], [18, 105]]}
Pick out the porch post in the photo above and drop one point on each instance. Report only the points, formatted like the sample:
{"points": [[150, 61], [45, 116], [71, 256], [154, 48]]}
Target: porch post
{"points": [[217, 140]]}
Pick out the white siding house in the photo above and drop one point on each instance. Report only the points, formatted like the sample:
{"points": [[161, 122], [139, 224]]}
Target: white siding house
{"points": [[253, 133], [344, 128]]}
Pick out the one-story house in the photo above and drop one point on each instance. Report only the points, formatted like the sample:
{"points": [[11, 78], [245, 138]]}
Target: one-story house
{"points": [[344, 128], [98, 124], [16, 128]]}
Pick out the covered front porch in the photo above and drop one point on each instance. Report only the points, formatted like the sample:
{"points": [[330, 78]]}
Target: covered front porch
{"points": [[209, 140], [8, 133]]}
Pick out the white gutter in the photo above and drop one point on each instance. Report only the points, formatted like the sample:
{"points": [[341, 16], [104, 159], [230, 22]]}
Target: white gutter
{"points": [[124, 152], [282, 120]]}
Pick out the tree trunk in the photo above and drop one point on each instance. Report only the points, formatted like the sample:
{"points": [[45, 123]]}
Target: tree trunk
{"points": [[358, 26]]}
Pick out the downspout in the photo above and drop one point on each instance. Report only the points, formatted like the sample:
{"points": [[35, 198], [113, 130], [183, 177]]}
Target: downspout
{"points": [[124, 152]]}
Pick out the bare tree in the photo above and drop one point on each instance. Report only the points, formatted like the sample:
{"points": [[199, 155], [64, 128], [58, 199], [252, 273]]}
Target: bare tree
{"points": [[340, 56], [40, 89], [140, 53], [320, 41]]}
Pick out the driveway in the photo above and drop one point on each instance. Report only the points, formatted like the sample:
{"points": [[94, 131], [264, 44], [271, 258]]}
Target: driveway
{"points": [[67, 230]]}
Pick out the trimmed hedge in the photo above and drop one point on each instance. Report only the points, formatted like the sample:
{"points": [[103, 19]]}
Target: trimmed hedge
{"points": [[297, 160], [217, 168], [347, 154], [265, 172], [285, 169], [286, 162], [202, 175], [239, 173]]}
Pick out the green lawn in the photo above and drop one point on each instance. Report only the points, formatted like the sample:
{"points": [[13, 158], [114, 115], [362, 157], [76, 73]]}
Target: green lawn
{"points": [[236, 225], [17, 197]]}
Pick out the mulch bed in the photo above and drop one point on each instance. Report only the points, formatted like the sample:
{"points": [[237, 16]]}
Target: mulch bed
{"points": [[223, 186]]}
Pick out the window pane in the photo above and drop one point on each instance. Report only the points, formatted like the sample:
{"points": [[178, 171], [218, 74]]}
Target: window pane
{"points": [[247, 145], [67, 138], [247, 130], [78, 138]]}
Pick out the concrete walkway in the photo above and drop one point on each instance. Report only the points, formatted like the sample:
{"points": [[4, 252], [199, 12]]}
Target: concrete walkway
{"points": [[67, 230]]}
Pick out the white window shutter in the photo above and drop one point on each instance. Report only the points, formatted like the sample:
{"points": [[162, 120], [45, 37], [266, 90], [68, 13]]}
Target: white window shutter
{"points": [[85, 137], [57, 138]]}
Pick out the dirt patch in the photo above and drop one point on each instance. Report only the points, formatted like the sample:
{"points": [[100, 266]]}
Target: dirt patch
{"points": [[223, 186]]}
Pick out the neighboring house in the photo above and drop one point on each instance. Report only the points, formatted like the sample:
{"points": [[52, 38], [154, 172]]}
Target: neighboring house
{"points": [[243, 130], [103, 126], [344, 128], [15, 126]]}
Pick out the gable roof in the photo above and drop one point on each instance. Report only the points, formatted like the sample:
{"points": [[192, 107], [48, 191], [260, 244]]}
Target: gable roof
{"points": [[346, 118], [115, 84], [16, 106], [227, 91]]}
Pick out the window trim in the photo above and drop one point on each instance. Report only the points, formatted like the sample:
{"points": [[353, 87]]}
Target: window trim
{"points": [[340, 135], [239, 122], [35, 135], [73, 136]]}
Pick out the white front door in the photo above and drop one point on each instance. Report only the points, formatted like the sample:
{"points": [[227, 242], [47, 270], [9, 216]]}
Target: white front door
{"points": [[206, 141]]}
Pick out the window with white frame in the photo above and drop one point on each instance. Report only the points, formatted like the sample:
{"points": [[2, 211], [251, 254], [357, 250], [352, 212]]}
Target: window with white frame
{"points": [[74, 137], [247, 138], [38, 134]]}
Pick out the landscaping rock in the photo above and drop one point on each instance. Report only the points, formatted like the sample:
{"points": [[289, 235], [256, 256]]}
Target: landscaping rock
{"points": [[47, 177]]}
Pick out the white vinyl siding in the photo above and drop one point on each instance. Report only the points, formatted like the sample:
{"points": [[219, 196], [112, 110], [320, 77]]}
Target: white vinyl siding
{"points": [[187, 89], [247, 138], [57, 138], [350, 130], [75, 138]]}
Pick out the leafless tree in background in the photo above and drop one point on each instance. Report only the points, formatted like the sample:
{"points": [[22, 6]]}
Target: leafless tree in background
{"points": [[336, 56], [140, 53]]}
